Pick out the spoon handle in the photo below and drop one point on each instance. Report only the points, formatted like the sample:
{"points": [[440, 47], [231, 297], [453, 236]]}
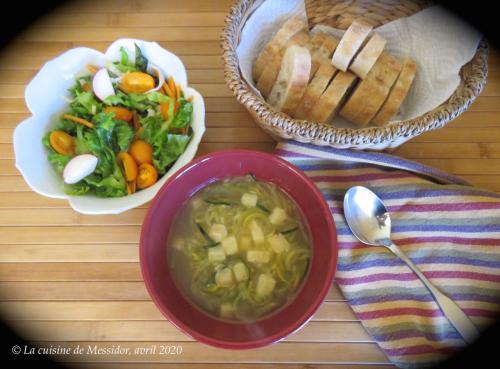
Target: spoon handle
{"points": [[451, 310]]}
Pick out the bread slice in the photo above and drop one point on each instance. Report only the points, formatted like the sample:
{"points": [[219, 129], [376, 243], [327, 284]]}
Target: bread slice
{"points": [[289, 28], [315, 89], [398, 93], [371, 92], [322, 53], [334, 96], [268, 76], [300, 39], [367, 57], [317, 40], [350, 43], [292, 80]]}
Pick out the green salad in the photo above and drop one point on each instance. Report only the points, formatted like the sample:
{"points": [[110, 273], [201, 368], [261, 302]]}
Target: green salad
{"points": [[125, 126]]}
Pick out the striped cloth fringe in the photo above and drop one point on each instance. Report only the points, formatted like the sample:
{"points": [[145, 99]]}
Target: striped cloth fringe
{"points": [[449, 229]]}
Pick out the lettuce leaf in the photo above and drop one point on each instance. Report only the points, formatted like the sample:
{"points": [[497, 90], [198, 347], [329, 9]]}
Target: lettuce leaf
{"points": [[140, 102], [141, 63], [134, 101], [85, 105], [67, 126], [168, 149], [58, 161], [123, 65], [78, 86], [158, 98], [77, 189], [108, 186], [116, 134], [107, 179], [183, 117], [124, 135]]}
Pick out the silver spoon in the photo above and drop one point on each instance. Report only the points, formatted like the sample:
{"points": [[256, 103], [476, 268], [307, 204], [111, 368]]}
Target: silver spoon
{"points": [[370, 222]]}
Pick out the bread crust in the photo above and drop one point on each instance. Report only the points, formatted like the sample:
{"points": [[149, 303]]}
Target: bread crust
{"points": [[350, 43], [333, 97], [398, 93], [371, 92], [365, 60], [323, 53], [289, 28], [292, 79], [315, 89], [270, 73]]}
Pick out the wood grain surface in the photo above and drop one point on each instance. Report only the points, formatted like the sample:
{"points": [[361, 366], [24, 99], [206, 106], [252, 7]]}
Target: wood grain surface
{"points": [[71, 279]]}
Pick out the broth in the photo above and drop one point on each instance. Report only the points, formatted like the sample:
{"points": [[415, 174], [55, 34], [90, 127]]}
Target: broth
{"points": [[239, 248]]}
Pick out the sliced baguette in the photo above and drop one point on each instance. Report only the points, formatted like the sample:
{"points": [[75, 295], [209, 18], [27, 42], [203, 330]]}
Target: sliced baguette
{"points": [[334, 96], [292, 79], [268, 76], [300, 39], [371, 92], [315, 89], [289, 28], [350, 43], [367, 57], [317, 40], [322, 53], [398, 93]]}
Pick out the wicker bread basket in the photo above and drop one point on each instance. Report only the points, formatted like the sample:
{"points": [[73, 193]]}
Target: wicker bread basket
{"points": [[340, 14]]}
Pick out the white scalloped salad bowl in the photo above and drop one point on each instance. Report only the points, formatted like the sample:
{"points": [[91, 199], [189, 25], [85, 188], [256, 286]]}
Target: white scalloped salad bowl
{"points": [[44, 97]]}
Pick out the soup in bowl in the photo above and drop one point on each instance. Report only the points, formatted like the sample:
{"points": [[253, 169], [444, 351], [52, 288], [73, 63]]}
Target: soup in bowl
{"points": [[238, 249]]}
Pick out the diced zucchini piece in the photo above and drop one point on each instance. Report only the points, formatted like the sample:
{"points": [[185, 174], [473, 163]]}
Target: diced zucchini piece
{"points": [[249, 199], [224, 277], [217, 232], [226, 310], [230, 245], [265, 285], [197, 203], [278, 216], [256, 231], [245, 242], [278, 243], [258, 256], [240, 272], [216, 253]]}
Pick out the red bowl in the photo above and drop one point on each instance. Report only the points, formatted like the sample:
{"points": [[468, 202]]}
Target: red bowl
{"points": [[153, 255]]}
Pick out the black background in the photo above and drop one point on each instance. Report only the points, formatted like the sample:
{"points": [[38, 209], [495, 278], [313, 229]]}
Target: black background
{"points": [[481, 14]]}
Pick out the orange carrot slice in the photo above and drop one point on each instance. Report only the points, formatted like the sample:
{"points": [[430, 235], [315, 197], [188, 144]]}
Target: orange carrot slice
{"points": [[91, 68], [78, 120], [168, 91], [171, 85], [164, 109], [178, 91]]}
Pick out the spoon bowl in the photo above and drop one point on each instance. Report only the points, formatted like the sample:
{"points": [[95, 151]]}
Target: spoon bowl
{"points": [[367, 216]]}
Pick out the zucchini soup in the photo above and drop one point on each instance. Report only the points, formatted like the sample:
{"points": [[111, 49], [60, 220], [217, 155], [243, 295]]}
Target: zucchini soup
{"points": [[239, 248]]}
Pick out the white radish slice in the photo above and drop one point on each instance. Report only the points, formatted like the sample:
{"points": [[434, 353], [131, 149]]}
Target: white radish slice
{"points": [[102, 84], [79, 167], [161, 78]]}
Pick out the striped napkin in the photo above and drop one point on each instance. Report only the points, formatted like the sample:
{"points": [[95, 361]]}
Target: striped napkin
{"points": [[449, 229]]}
